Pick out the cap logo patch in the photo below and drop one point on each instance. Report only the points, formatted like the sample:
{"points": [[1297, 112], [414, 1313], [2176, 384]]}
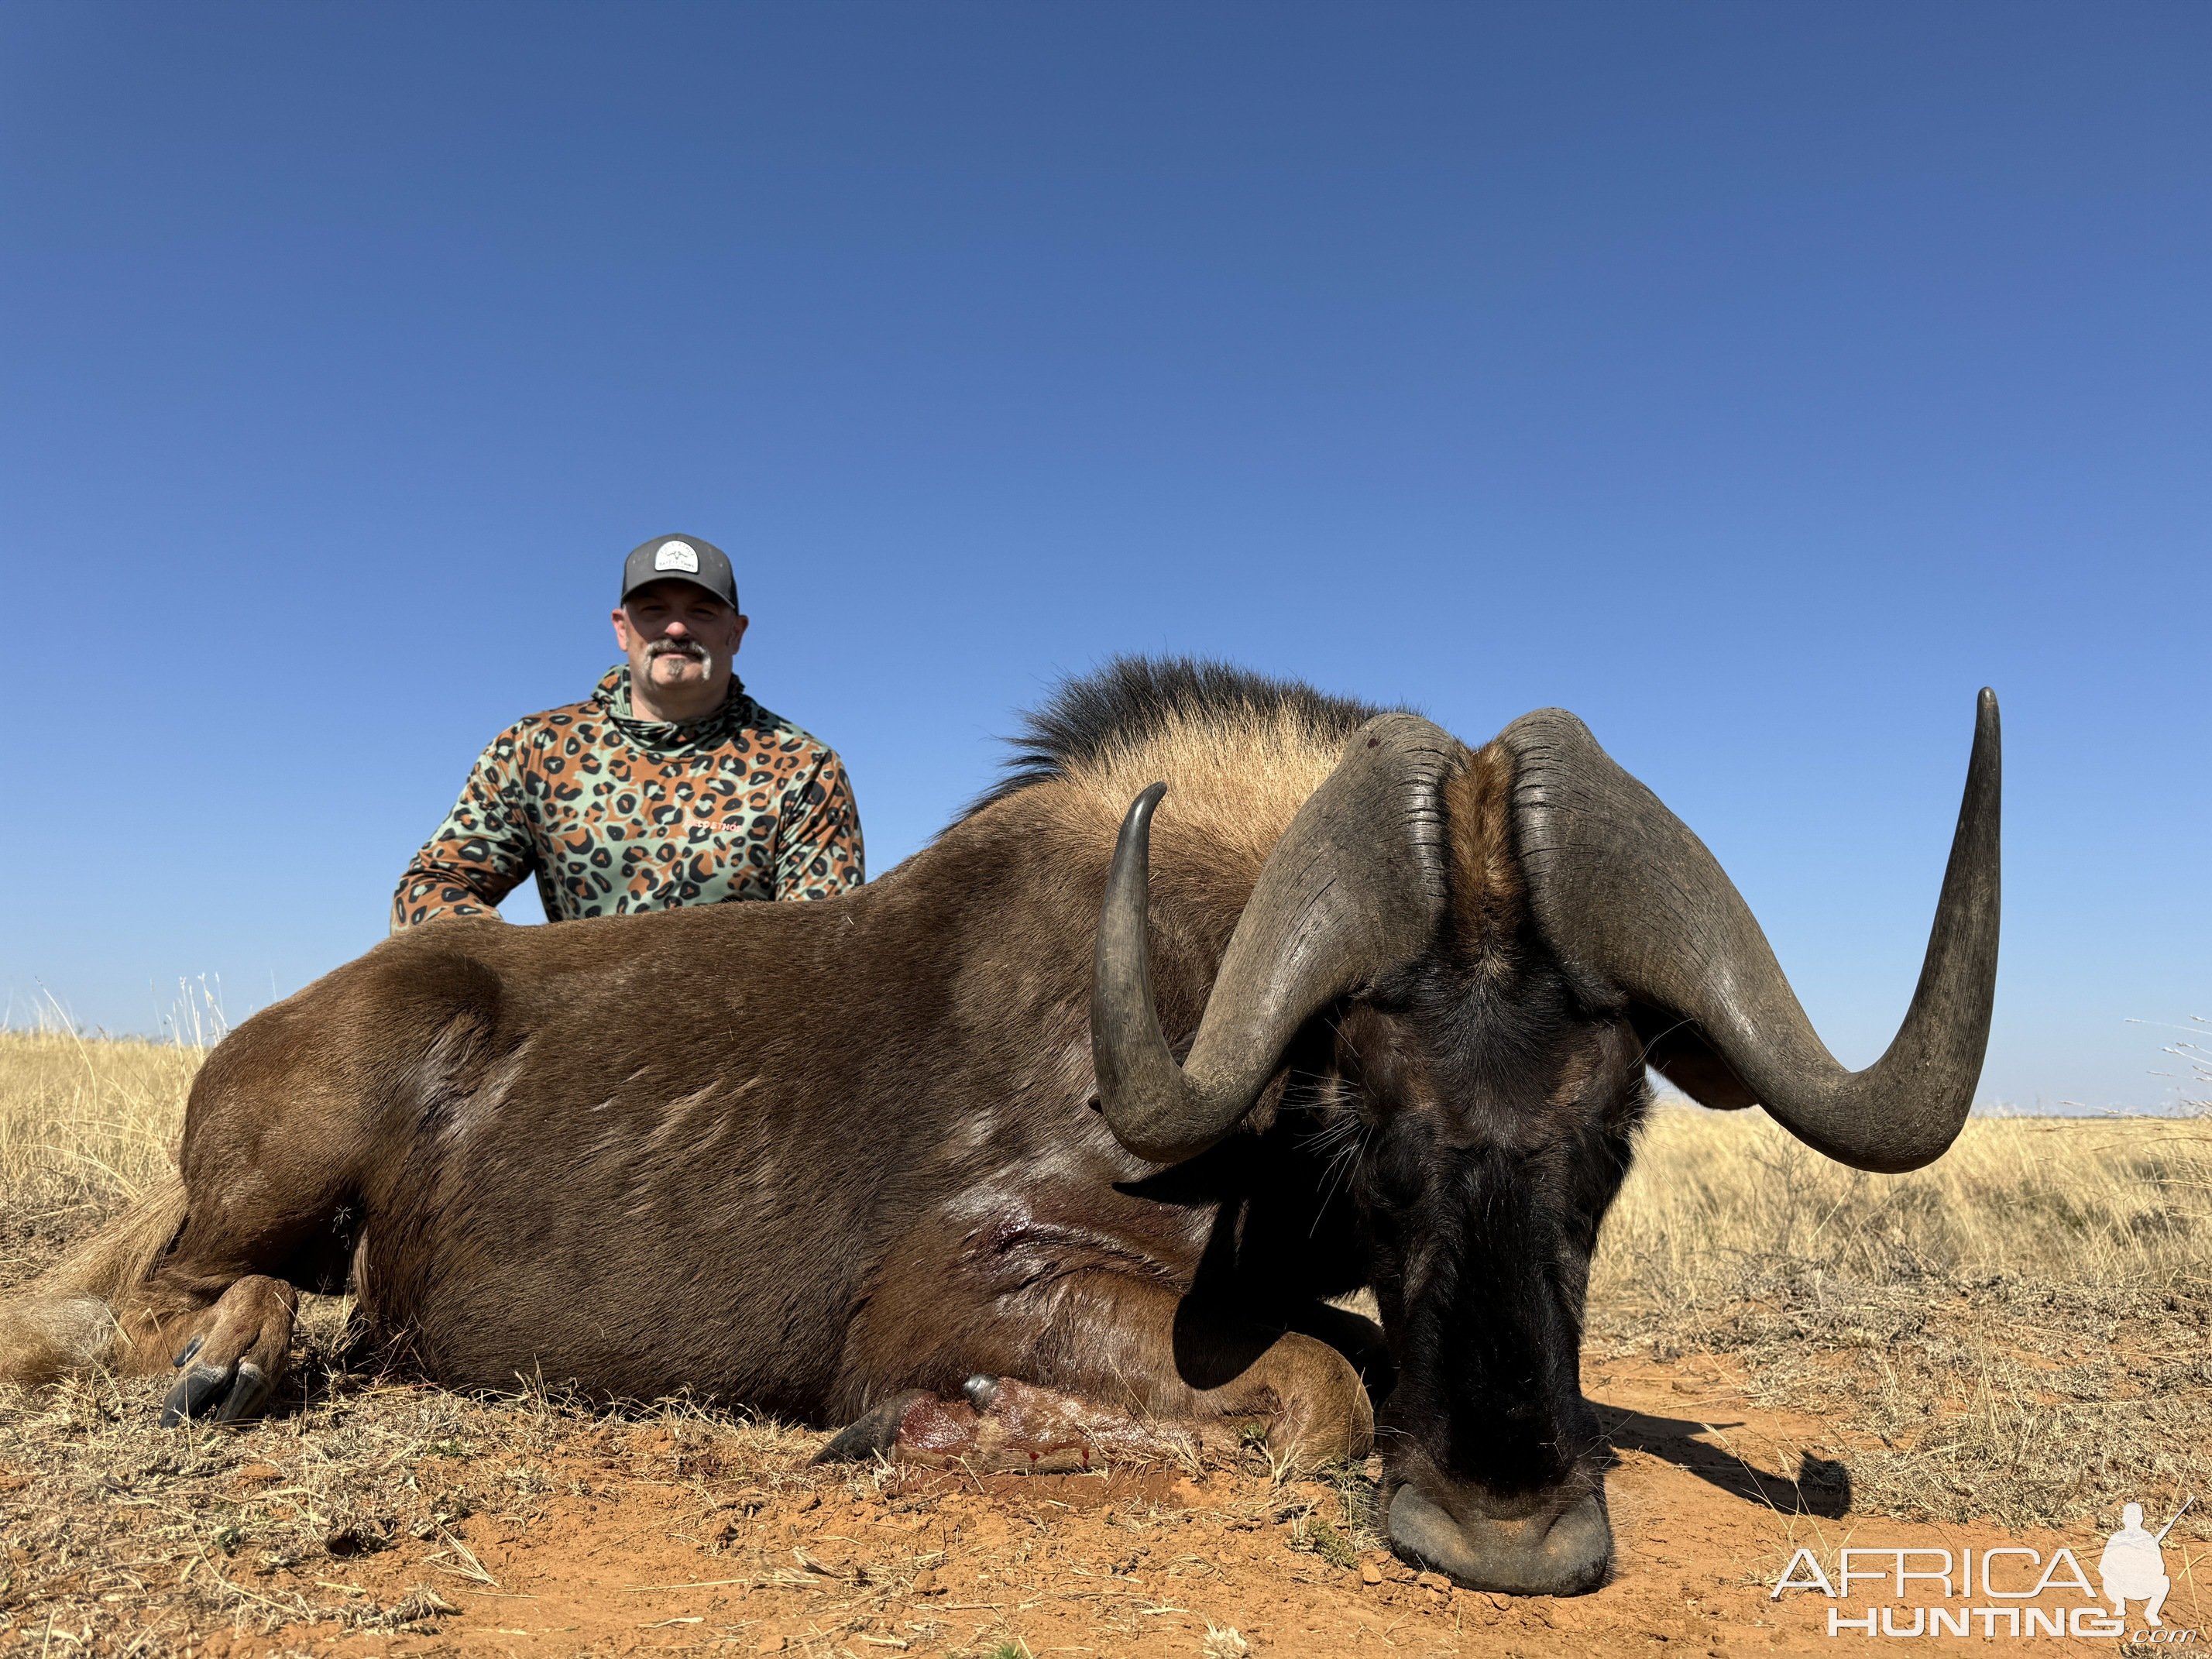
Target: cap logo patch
{"points": [[676, 556]]}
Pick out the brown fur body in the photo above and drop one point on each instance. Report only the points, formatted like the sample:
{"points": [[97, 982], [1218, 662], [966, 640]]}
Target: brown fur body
{"points": [[799, 1157]]}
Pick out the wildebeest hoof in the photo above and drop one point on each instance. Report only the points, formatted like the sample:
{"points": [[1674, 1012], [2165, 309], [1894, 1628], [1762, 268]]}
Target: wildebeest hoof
{"points": [[980, 1390], [185, 1354], [217, 1393], [871, 1435]]}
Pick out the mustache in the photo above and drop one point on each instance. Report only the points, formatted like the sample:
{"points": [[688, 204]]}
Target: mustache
{"points": [[688, 647]]}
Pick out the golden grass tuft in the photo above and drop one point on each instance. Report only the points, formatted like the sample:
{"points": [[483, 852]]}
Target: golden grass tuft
{"points": [[85, 1124], [2121, 1204], [2021, 1330]]}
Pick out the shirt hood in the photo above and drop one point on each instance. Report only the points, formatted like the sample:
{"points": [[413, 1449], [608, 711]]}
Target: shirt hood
{"points": [[611, 697]]}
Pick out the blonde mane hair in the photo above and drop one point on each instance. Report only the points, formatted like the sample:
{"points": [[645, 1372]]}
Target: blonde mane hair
{"points": [[1239, 754], [1235, 780]]}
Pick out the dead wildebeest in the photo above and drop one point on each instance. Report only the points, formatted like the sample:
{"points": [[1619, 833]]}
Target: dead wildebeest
{"points": [[859, 1159]]}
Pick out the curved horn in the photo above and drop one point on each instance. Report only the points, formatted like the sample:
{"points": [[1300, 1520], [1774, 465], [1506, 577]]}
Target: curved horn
{"points": [[1621, 887], [1355, 886]]}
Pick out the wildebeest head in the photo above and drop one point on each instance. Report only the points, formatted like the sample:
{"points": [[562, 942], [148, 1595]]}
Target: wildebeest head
{"points": [[1500, 942]]}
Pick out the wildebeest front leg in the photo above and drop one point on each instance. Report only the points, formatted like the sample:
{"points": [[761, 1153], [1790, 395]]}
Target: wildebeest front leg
{"points": [[1107, 1366], [235, 1355]]}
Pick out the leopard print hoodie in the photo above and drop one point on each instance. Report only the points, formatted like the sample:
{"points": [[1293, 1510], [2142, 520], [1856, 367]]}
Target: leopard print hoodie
{"points": [[614, 814]]}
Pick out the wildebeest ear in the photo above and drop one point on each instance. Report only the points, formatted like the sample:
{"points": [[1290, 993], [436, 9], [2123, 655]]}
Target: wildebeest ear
{"points": [[1677, 1050]]}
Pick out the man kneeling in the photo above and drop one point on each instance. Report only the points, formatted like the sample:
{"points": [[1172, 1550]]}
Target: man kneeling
{"points": [[668, 785]]}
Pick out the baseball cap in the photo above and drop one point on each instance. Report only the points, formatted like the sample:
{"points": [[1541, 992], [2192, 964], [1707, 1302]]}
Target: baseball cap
{"points": [[681, 559]]}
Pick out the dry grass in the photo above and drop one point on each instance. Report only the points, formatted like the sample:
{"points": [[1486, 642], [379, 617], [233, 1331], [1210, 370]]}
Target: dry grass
{"points": [[84, 1124], [2020, 1332], [2024, 1330]]}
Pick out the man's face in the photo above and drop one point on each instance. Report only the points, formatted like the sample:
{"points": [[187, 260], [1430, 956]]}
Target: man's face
{"points": [[677, 635]]}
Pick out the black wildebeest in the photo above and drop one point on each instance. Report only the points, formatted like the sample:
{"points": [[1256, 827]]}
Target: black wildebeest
{"points": [[852, 1161]]}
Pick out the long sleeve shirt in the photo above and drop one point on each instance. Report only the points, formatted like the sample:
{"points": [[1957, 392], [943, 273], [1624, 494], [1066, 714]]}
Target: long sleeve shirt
{"points": [[613, 814]]}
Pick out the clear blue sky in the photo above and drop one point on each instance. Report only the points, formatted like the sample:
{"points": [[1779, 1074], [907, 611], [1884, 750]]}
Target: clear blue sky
{"points": [[1755, 380]]}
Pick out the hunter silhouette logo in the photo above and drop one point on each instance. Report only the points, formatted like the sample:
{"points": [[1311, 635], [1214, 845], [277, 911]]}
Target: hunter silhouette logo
{"points": [[1919, 1588], [2133, 1565]]}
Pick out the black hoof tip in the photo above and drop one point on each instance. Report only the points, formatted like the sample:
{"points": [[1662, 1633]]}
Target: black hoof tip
{"points": [[217, 1393], [185, 1354], [195, 1392], [873, 1435], [248, 1395], [980, 1390]]}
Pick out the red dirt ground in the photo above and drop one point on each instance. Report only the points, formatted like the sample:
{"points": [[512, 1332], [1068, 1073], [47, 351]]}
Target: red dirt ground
{"points": [[1138, 1562]]}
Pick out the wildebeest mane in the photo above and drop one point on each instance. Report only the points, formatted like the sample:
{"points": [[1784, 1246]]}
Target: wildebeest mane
{"points": [[1135, 701]]}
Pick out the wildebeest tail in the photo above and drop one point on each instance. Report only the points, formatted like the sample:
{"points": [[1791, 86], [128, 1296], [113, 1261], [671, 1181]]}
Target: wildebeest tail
{"points": [[64, 1319]]}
